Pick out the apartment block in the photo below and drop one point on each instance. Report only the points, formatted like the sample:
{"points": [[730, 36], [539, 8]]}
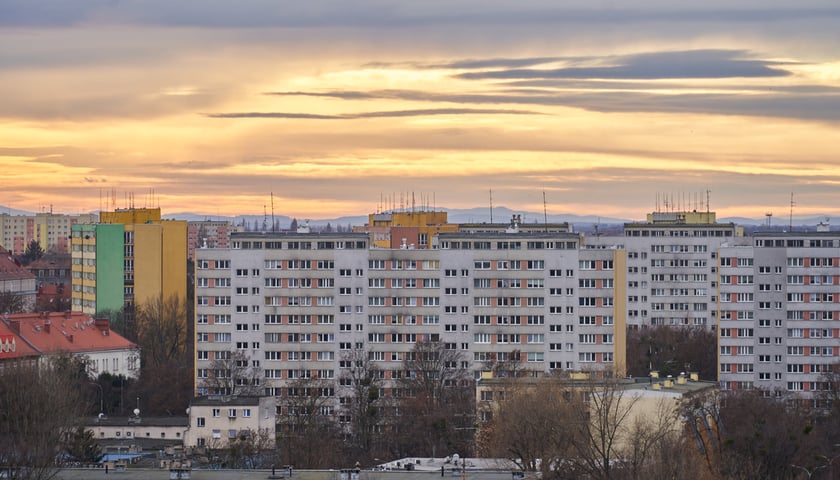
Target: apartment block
{"points": [[298, 303], [778, 312], [131, 257], [208, 234], [51, 230], [671, 267]]}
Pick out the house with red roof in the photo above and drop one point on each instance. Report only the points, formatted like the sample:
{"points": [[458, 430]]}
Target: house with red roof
{"points": [[15, 349], [53, 333], [16, 280]]}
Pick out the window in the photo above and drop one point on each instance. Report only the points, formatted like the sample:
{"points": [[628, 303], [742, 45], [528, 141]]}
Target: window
{"points": [[200, 422]]}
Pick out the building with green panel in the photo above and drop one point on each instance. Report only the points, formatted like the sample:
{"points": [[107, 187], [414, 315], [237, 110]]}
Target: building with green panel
{"points": [[98, 267]]}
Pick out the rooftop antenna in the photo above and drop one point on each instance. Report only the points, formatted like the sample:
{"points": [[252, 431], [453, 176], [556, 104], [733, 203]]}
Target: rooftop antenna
{"points": [[265, 219], [708, 200], [792, 203], [273, 224], [491, 205], [545, 213], [769, 216]]}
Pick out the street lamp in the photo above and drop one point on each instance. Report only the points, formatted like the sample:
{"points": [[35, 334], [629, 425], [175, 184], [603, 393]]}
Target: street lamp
{"points": [[101, 399]]}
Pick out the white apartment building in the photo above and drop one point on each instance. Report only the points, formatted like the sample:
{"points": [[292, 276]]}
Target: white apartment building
{"points": [[778, 312], [216, 421], [51, 230], [671, 267], [297, 303]]}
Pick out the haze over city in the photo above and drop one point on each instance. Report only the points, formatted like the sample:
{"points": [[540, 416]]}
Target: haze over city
{"points": [[216, 105]]}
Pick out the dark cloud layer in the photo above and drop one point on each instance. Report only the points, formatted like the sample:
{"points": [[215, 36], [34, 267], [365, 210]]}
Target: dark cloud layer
{"points": [[387, 114], [385, 14], [703, 64]]}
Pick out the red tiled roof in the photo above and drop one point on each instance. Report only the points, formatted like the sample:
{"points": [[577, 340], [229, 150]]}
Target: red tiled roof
{"points": [[54, 261], [54, 332], [10, 269], [12, 346]]}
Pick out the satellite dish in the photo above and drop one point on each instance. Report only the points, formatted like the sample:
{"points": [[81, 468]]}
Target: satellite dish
{"points": [[137, 412], [188, 410]]}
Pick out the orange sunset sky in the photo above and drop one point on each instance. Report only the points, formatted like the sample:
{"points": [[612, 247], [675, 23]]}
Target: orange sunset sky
{"points": [[215, 105]]}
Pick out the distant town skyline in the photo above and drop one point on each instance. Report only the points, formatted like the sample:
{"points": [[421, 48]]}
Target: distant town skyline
{"points": [[330, 106]]}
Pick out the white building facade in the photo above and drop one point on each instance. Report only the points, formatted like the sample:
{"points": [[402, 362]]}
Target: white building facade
{"points": [[779, 312], [297, 304]]}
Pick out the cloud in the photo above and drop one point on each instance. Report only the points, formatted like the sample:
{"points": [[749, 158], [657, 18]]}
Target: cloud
{"points": [[387, 114], [808, 102], [380, 13], [703, 64]]}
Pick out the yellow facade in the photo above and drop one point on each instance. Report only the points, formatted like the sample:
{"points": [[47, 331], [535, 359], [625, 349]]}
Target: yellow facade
{"points": [[691, 218], [83, 253], [387, 229], [159, 261], [129, 216], [620, 314], [155, 254]]}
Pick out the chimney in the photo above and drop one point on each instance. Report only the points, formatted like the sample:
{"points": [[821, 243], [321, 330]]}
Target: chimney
{"points": [[47, 325], [68, 315], [15, 325], [70, 337], [103, 324]]}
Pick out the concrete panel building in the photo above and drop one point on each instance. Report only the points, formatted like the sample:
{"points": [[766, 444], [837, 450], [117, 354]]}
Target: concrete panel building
{"points": [[671, 267], [778, 312], [296, 304], [50, 230]]}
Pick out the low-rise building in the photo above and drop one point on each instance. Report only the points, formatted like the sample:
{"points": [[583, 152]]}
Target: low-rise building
{"points": [[218, 420], [54, 333], [17, 285], [144, 433]]}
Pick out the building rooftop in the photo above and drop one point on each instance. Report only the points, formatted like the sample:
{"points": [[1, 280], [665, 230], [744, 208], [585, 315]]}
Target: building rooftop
{"points": [[74, 332], [10, 269], [51, 261], [12, 345], [175, 421], [216, 400]]}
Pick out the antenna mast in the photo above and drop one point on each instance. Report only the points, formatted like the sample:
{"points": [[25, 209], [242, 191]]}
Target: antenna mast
{"points": [[273, 223], [791, 212], [545, 213], [491, 205]]}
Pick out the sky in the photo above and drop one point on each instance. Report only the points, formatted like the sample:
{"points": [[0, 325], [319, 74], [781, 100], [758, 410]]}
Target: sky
{"points": [[331, 108]]}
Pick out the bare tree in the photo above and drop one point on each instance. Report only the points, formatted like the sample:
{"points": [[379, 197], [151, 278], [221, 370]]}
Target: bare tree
{"points": [[162, 330], [530, 424], [438, 408], [362, 386], [233, 374], [307, 424], [599, 423], [166, 377], [671, 351], [251, 450], [506, 364], [11, 302], [768, 438], [38, 407]]}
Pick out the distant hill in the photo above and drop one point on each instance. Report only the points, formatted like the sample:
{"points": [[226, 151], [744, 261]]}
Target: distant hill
{"points": [[500, 214], [12, 211], [471, 215]]}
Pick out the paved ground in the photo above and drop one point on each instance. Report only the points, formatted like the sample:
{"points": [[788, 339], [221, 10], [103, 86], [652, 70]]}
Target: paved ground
{"points": [[155, 474]]}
